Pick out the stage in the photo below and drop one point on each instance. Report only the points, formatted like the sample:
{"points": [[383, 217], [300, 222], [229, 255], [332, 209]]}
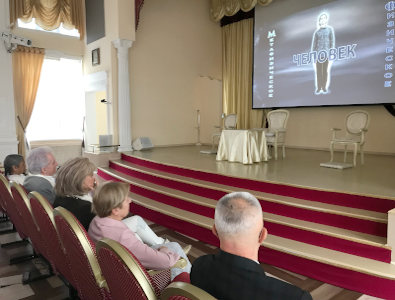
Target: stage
{"points": [[299, 168], [327, 224]]}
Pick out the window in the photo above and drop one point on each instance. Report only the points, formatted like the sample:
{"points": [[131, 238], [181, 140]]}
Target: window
{"points": [[59, 109], [60, 30]]}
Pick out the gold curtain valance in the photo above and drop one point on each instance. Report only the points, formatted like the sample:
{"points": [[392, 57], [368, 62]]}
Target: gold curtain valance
{"points": [[221, 8], [34, 50], [50, 13]]}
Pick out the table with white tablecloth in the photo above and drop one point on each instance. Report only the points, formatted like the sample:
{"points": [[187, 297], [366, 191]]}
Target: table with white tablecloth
{"points": [[245, 146]]}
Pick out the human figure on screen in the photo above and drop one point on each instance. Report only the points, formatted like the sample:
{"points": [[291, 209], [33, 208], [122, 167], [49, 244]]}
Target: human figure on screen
{"points": [[323, 40]]}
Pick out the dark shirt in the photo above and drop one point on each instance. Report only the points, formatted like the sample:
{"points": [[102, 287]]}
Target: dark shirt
{"points": [[227, 276], [81, 209]]}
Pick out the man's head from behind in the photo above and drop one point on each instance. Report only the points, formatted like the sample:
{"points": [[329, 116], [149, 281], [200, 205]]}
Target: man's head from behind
{"points": [[239, 224], [41, 161]]}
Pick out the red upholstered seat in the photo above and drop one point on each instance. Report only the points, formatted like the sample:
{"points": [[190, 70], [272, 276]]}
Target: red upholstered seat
{"points": [[80, 249], [3, 194], [125, 276], [43, 214], [22, 204], [10, 207]]}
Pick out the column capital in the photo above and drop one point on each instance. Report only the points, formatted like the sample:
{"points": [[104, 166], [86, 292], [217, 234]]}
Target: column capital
{"points": [[122, 43]]}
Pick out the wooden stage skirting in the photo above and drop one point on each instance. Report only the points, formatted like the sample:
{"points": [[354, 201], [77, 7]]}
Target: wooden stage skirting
{"points": [[323, 223]]}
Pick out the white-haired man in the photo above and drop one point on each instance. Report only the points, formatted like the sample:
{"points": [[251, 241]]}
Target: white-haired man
{"points": [[41, 165], [234, 272]]}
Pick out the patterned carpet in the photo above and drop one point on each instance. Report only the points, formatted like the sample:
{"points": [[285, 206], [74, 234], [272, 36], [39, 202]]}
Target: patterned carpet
{"points": [[52, 288]]}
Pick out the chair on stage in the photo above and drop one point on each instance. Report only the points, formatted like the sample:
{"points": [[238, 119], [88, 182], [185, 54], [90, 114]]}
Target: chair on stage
{"points": [[357, 123], [132, 281], [43, 214], [81, 252], [184, 291], [229, 122], [275, 135]]}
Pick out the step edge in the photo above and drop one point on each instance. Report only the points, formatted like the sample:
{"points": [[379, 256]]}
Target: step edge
{"points": [[270, 243], [284, 202], [380, 217], [290, 224]]}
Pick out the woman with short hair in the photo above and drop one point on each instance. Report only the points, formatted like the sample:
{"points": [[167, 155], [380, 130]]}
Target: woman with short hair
{"points": [[15, 168], [111, 204], [75, 181]]}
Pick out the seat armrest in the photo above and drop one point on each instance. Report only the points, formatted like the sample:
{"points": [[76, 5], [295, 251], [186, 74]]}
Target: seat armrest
{"points": [[180, 264], [102, 282], [186, 290]]}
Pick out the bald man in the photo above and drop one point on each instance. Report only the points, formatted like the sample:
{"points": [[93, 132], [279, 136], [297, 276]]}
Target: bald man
{"points": [[234, 272]]}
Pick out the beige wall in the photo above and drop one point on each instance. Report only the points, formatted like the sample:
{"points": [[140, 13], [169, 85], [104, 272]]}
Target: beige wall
{"points": [[176, 43], [310, 127], [8, 139], [175, 69], [101, 114]]}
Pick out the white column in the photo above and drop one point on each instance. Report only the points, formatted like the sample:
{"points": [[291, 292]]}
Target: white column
{"points": [[8, 139], [124, 124]]}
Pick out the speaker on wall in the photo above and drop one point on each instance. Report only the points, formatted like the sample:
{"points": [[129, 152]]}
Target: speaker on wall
{"points": [[142, 143]]}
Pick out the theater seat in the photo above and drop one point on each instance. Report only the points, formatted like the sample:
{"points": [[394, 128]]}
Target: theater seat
{"points": [[125, 276], [10, 208], [43, 214], [22, 204], [81, 251]]}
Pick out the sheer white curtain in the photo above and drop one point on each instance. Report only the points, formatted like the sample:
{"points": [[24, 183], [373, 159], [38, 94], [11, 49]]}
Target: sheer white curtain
{"points": [[60, 103]]}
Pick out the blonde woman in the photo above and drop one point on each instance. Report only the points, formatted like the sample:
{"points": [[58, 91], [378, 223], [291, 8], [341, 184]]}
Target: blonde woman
{"points": [[111, 204], [75, 182]]}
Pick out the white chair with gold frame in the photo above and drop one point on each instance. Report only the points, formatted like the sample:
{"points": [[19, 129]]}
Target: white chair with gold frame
{"points": [[275, 135], [357, 123], [229, 122]]}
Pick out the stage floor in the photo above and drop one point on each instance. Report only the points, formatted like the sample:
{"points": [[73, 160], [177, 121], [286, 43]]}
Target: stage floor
{"points": [[300, 168]]}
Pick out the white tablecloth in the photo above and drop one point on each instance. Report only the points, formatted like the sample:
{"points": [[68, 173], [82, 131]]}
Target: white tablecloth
{"points": [[245, 146]]}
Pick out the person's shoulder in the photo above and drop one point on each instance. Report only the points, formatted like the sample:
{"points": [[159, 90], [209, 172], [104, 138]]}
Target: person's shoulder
{"points": [[204, 259], [285, 290], [203, 264], [30, 178], [33, 179]]}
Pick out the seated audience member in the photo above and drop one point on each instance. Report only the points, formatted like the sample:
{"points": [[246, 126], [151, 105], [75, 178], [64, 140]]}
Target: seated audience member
{"points": [[74, 183], [15, 168], [111, 204], [234, 272], [41, 165]]}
